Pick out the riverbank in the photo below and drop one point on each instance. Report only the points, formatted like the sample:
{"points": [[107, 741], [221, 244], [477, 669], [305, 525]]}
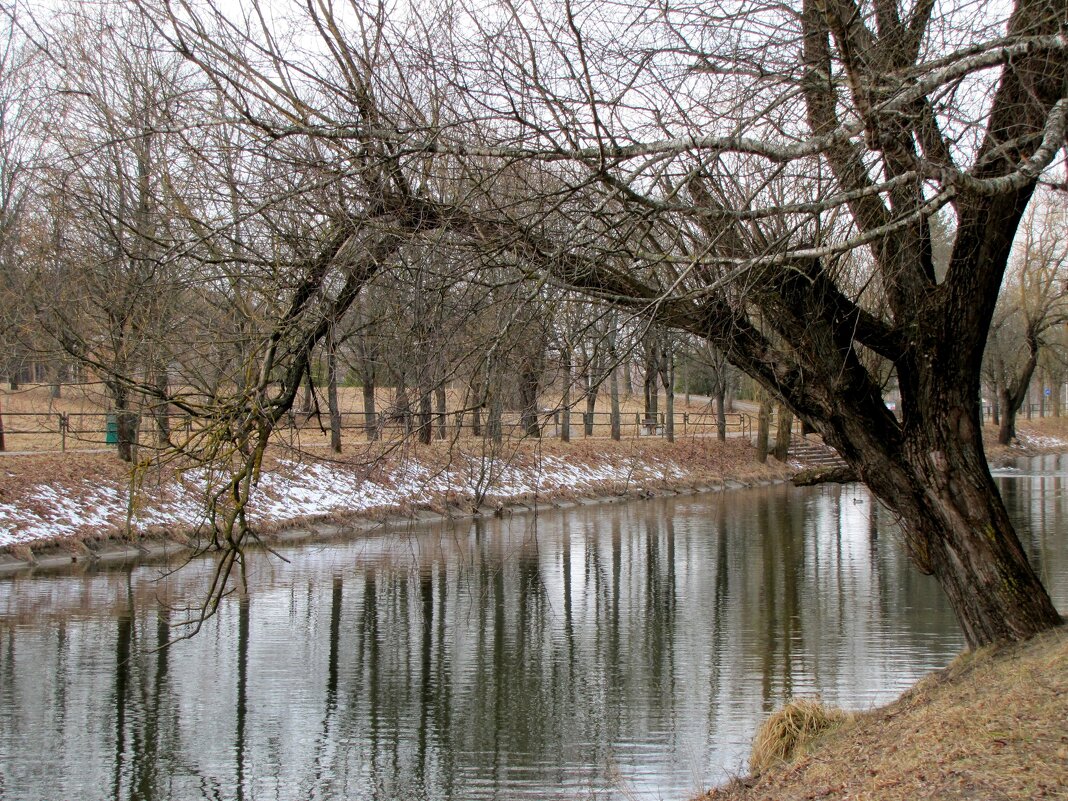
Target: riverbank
{"points": [[312, 497], [992, 725], [59, 508]]}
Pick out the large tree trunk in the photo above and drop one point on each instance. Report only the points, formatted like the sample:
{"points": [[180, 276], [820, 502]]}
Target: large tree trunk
{"points": [[478, 400], [669, 387], [331, 390], [565, 403], [763, 429], [426, 416], [783, 431], [403, 406], [370, 416], [162, 410], [956, 528], [1007, 426], [1014, 391], [931, 470], [441, 411], [649, 385], [494, 424], [125, 420], [529, 384], [613, 380], [594, 376], [721, 411]]}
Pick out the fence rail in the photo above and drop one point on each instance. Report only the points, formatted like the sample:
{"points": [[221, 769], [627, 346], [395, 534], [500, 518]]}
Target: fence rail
{"points": [[1029, 410], [62, 431]]}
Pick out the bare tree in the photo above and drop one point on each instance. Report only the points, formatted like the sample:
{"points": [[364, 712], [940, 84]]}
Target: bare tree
{"points": [[768, 194], [1033, 300], [16, 163], [102, 287], [859, 163]]}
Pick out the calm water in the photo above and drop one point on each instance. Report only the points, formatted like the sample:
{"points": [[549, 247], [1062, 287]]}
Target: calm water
{"points": [[620, 651]]}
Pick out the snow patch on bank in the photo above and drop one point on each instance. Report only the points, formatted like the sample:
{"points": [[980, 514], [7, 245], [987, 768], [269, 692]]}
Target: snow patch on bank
{"points": [[1041, 442], [48, 512], [298, 490]]}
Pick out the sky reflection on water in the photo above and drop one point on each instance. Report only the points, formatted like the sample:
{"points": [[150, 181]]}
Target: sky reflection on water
{"points": [[624, 650]]}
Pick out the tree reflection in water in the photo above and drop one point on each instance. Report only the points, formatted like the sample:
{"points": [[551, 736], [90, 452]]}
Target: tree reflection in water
{"points": [[628, 647]]}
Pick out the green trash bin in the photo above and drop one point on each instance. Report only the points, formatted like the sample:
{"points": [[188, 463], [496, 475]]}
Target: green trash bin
{"points": [[111, 431]]}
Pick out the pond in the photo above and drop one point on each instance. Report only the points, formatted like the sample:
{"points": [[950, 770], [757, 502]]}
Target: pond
{"points": [[606, 651]]}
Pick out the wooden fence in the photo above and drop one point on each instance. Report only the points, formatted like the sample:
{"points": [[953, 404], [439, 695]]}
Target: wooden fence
{"points": [[63, 431]]}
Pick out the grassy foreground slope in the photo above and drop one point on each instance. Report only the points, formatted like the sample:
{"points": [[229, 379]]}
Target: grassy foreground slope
{"points": [[992, 725]]}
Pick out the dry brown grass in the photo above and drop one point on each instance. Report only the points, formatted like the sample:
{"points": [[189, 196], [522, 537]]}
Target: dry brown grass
{"points": [[31, 418], [1027, 431], [993, 725], [790, 730]]}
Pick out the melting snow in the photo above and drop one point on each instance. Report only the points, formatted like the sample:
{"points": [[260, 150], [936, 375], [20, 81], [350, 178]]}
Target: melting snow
{"points": [[300, 490], [1036, 441]]}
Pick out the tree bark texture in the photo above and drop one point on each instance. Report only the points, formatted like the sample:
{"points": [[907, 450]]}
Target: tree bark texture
{"points": [[370, 415], [565, 404], [666, 369], [331, 391], [613, 378], [594, 375], [478, 400], [721, 411], [529, 384], [441, 411], [763, 430], [650, 386], [125, 421], [161, 411], [426, 416], [494, 423], [783, 429]]}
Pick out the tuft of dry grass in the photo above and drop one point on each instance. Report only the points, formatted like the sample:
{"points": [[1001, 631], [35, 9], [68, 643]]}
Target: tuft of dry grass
{"points": [[992, 725], [789, 730]]}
